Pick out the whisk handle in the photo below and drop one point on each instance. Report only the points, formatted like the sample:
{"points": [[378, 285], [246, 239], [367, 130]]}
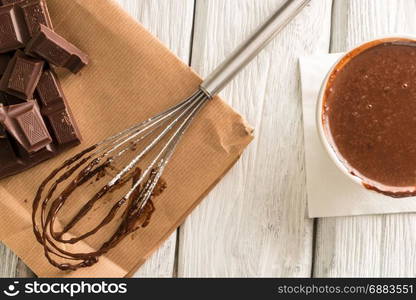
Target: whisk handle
{"points": [[225, 72]]}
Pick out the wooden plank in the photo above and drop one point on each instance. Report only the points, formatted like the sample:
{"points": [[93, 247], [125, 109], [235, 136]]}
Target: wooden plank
{"points": [[367, 246], [171, 22], [254, 222], [11, 266]]}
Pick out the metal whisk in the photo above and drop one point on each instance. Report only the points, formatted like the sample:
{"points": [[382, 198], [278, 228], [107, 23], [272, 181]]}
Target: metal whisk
{"points": [[157, 137]]}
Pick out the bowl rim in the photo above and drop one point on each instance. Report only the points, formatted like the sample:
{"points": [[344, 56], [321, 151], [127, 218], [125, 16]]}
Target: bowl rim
{"points": [[325, 138]]}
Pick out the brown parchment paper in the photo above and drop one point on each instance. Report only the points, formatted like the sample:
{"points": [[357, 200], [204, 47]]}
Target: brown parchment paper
{"points": [[132, 76]]}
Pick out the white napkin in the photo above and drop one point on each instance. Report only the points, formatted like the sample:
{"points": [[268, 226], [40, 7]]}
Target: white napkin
{"points": [[330, 192]]}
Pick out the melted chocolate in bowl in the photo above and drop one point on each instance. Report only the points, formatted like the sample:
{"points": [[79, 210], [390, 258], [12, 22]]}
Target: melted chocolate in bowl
{"points": [[369, 115]]}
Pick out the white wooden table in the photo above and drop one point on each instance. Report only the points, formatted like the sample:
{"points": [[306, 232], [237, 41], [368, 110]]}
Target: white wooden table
{"points": [[248, 227]]}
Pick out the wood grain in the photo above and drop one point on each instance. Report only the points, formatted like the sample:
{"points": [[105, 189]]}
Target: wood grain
{"points": [[253, 223], [11, 266], [171, 22], [368, 246]]}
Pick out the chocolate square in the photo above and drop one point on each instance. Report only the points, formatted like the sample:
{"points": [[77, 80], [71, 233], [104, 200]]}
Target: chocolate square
{"points": [[35, 13], [13, 30], [63, 127], [49, 89], [56, 50], [32, 127], [22, 76], [56, 110], [24, 122]]}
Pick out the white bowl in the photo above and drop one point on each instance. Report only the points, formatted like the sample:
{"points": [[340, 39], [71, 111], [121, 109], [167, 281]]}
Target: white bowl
{"points": [[326, 137]]}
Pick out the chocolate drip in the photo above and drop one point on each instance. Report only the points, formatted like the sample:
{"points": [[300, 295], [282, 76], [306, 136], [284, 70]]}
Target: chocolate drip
{"points": [[136, 215]]}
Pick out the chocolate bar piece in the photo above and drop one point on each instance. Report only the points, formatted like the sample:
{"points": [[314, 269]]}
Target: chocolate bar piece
{"points": [[13, 29], [63, 127], [56, 110], [35, 13], [49, 89], [6, 99], [24, 122], [56, 50], [21, 76]]}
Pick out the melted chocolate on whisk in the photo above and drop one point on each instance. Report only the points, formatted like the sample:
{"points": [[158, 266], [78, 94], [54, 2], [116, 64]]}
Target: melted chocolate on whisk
{"points": [[132, 219]]}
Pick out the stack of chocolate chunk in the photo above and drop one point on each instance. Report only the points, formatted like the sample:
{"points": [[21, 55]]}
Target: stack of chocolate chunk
{"points": [[36, 122]]}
